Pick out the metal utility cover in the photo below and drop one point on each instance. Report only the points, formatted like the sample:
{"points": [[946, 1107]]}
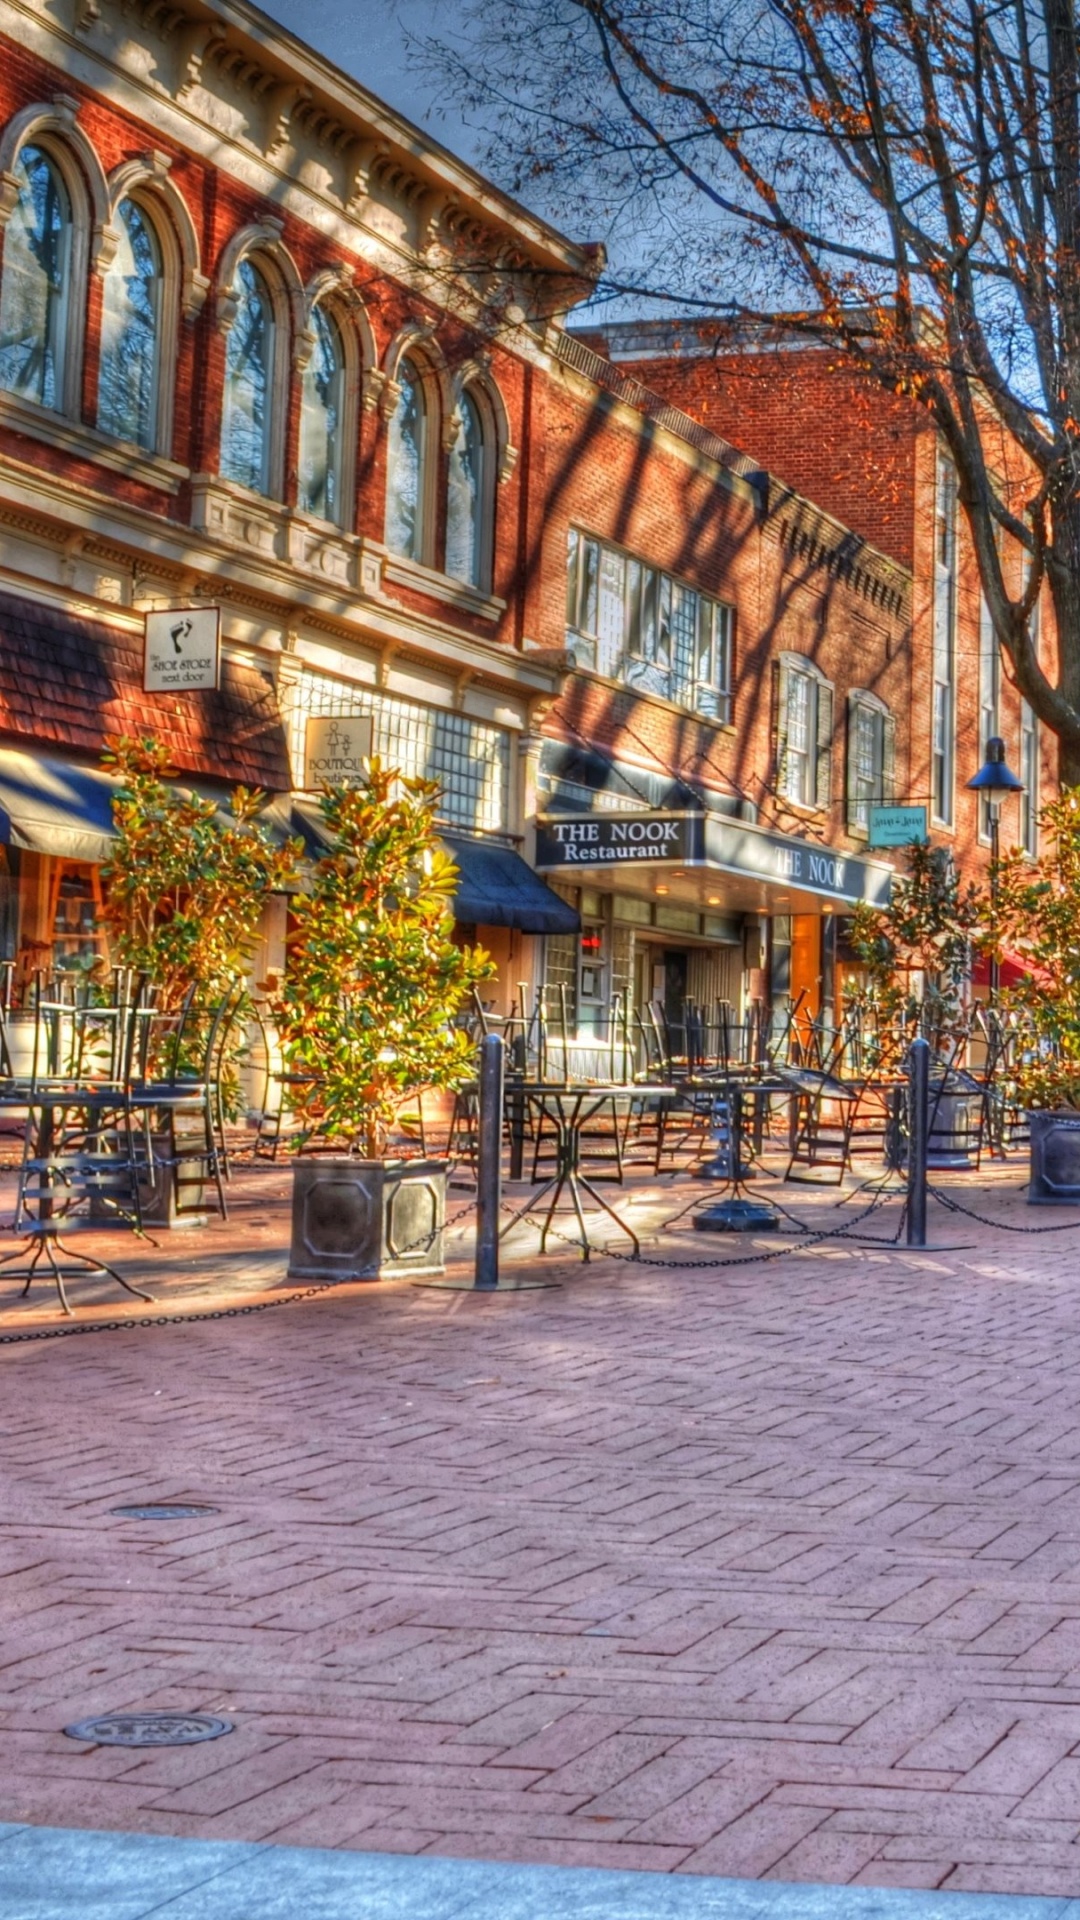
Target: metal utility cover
{"points": [[149, 1729]]}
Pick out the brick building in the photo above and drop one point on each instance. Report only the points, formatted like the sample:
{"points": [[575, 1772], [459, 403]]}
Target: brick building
{"points": [[873, 459], [266, 348]]}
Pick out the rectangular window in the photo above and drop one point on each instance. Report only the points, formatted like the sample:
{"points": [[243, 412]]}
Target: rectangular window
{"points": [[943, 738], [633, 623], [989, 701], [469, 759], [801, 738], [867, 765], [1029, 774]]}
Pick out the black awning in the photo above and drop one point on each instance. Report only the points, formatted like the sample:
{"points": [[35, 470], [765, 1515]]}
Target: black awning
{"points": [[495, 887]]}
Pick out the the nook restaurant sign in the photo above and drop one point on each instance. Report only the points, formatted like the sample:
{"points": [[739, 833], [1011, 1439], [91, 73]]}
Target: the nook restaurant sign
{"points": [[706, 840]]}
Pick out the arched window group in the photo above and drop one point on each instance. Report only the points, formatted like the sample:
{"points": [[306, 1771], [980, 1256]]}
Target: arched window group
{"points": [[412, 490], [445, 438]]}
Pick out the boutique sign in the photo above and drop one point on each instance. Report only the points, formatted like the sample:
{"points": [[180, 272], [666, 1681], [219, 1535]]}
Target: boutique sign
{"points": [[712, 841], [335, 749]]}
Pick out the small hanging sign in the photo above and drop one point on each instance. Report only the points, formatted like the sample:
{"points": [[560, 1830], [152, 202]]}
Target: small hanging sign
{"points": [[183, 649], [335, 748], [897, 826]]}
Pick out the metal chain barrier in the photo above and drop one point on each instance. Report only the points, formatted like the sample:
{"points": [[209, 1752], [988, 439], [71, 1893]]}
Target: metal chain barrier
{"points": [[1004, 1226], [812, 1238], [210, 1313]]}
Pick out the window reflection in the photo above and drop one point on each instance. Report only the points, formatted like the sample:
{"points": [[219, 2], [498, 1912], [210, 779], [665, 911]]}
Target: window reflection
{"points": [[35, 291], [405, 474], [130, 330], [321, 407], [249, 363], [464, 497]]}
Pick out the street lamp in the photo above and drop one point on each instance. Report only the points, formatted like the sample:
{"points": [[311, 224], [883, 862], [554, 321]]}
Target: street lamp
{"points": [[995, 778]]}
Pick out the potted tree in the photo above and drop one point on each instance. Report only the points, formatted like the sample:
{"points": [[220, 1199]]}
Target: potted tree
{"points": [[184, 892], [1039, 916], [365, 1013], [916, 953]]}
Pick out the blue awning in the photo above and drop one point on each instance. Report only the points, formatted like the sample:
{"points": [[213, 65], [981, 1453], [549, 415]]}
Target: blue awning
{"points": [[54, 806], [495, 887]]}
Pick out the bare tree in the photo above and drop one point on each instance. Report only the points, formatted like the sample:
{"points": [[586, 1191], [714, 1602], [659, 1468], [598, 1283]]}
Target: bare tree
{"points": [[900, 178]]}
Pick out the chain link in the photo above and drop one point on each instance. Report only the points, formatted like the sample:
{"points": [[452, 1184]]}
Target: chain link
{"points": [[211, 1313], [1005, 1226]]}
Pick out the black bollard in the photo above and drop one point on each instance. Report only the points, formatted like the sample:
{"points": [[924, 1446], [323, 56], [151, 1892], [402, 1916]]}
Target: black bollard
{"points": [[918, 1140], [489, 1161]]}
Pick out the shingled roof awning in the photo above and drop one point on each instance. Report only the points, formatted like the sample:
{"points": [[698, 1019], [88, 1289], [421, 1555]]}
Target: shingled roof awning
{"points": [[69, 685], [495, 887]]}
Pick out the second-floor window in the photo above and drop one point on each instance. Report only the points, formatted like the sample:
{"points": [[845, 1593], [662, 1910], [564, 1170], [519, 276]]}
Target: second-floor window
{"points": [[870, 757], [36, 292], [322, 396], [640, 625], [1029, 774], [130, 332], [465, 490], [943, 706], [249, 372], [804, 726], [989, 701], [406, 481]]}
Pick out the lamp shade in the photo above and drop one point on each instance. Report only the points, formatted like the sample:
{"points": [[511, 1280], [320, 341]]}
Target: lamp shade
{"points": [[995, 775]]}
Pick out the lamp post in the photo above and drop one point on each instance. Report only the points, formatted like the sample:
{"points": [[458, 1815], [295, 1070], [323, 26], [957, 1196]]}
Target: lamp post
{"points": [[995, 778]]}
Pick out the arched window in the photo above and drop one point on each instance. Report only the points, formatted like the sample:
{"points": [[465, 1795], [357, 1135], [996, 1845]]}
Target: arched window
{"points": [[466, 503], [406, 477], [249, 373], [131, 332], [322, 420], [35, 293]]}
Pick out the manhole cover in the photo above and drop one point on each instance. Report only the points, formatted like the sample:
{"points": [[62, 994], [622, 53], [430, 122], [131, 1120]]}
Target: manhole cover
{"points": [[149, 1729], [163, 1513]]}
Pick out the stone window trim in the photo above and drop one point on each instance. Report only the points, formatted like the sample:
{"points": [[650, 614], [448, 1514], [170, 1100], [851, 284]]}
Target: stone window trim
{"points": [[415, 344], [332, 289], [816, 773], [261, 243], [52, 127]]}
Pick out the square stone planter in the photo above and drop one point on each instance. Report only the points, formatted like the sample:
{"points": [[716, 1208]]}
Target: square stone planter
{"points": [[1055, 1158], [366, 1219]]}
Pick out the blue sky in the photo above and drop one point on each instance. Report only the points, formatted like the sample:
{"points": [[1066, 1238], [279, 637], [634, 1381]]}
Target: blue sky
{"points": [[367, 39]]}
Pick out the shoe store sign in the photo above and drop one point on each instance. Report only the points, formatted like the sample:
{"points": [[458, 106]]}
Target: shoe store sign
{"points": [[335, 749], [182, 649]]}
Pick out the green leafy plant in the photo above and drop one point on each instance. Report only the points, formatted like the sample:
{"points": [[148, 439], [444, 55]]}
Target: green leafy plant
{"points": [[374, 976], [185, 888], [917, 950], [1040, 926]]}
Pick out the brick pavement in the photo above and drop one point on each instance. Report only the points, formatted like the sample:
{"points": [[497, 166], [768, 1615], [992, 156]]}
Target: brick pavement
{"points": [[769, 1571]]}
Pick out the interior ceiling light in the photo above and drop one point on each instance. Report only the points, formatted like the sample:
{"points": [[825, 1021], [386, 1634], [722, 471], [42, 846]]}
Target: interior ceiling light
{"points": [[661, 889]]}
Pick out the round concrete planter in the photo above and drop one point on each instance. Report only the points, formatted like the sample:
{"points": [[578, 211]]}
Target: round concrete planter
{"points": [[1055, 1158], [366, 1219]]}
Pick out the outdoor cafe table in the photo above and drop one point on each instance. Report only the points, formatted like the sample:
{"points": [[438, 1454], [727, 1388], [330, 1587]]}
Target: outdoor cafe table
{"points": [[570, 1107]]}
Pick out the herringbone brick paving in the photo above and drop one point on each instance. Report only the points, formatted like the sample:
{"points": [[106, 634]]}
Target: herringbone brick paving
{"points": [[766, 1570]]}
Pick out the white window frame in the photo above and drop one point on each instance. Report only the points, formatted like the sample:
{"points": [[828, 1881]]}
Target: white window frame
{"points": [[620, 623], [798, 676], [863, 704], [989, 704], [943, 614]]}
